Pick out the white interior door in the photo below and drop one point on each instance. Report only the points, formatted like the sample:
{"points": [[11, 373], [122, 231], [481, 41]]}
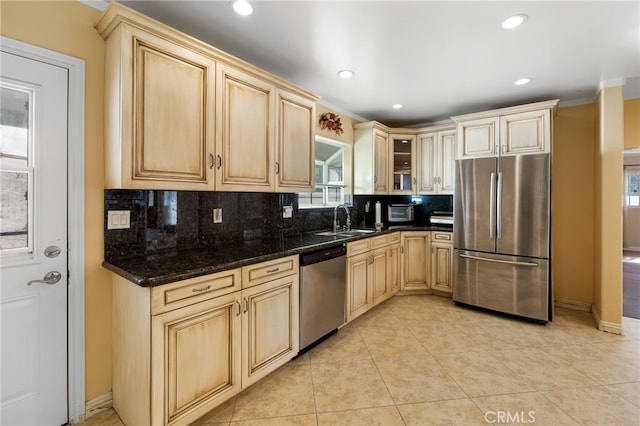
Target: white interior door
{"points": [[33, 242]]}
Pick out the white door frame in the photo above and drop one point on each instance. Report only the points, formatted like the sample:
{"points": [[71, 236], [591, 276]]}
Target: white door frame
{"points": [[75, 185]]}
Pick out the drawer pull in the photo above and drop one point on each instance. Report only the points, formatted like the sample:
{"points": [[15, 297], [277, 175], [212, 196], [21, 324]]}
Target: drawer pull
{"points": [[442, 237], [201, 289], [272, 270]]}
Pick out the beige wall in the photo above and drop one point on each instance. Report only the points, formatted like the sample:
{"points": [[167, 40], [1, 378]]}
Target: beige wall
{"points": [[347, 126], [609, 142], [67, 27], [572, 204], [632, 123]]}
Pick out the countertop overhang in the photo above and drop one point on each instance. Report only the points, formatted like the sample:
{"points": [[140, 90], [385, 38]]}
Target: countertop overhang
{"points": [[163, 268]]}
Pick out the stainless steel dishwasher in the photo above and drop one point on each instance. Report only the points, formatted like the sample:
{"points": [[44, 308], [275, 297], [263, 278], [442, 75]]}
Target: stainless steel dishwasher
{"points": [[323, 276]]}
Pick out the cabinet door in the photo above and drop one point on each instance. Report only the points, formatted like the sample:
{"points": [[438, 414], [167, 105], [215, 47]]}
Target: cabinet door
{"points": [[195, 359], [358, 295], [160, 115], [446, 161], [477, 138], [525, 133], [380, 173], [426, 163], [245, 140], [402, 179], [295, 143], [270, 327], [415, 260], [441, 266], [379, 275], [393, 269]]}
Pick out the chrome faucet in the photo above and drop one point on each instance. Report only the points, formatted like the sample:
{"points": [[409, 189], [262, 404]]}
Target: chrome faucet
{"points": [[347, 225]]}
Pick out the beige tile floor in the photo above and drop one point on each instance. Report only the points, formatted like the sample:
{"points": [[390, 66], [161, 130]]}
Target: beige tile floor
{"points": [[420, 360]]}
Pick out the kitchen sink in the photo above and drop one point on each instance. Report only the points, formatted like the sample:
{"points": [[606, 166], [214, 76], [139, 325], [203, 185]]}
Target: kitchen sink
{"points": [[350, 233]]}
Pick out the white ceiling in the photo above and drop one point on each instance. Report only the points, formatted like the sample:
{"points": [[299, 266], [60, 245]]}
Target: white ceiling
{"points": [[437, 58]]}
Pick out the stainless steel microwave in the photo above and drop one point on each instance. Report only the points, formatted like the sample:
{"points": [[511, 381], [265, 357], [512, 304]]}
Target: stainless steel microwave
{"points": [[400, 213]]}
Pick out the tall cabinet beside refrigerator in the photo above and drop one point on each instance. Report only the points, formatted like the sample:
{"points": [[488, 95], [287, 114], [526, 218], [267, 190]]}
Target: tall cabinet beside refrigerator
{"points": [[502, 210]]}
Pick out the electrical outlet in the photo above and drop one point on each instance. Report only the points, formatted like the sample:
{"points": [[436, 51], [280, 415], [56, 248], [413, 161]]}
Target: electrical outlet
{"points": [[287, 212], [118, 219], [217, 215]]}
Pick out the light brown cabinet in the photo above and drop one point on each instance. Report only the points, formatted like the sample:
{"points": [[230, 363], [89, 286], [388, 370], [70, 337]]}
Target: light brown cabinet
{"points": [[373, 273], [183, 115], [402, 164], [416, 259], [370, 159], [244, 150], [436, 161], [523, 129], [441, 261], [295, 154], [160, 113], [183, 348]]}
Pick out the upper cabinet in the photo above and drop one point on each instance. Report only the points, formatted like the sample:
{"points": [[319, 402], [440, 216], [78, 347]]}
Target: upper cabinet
{"points": [[402, 163], [295, 154], [245, 146], [524, 129], [157, 135], [370, 154], [436, 160], [183, 115]]}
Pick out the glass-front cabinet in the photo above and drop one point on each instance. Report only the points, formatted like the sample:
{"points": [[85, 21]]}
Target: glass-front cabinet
{"points": [[402, 160]]}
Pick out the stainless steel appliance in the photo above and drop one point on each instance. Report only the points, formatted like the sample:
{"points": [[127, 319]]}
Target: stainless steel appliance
{"points": [[323, 275], [400, 213], [501, 234]]}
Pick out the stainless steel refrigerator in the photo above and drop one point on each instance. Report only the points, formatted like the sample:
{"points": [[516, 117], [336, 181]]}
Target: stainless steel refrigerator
{"points": [[501, 234]]}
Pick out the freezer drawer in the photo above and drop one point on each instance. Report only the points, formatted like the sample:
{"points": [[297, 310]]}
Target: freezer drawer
{"points": [[510, 284]]}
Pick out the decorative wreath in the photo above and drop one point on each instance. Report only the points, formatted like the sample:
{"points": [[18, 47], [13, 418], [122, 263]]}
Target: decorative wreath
{"points": [[331, 121]]}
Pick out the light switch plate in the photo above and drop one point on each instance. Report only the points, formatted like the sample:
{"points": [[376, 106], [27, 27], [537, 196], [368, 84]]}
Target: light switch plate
{"points": [[217, 215], [118, 219]]}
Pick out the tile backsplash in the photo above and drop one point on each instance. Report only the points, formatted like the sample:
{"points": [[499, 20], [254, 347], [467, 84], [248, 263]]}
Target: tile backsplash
{"points": [[182, 220]]}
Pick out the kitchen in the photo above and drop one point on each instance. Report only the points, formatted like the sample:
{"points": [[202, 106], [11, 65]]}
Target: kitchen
{"points": [[98, 281]]}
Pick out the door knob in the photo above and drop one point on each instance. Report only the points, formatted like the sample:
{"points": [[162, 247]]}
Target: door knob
{"points": [[51, 278]]}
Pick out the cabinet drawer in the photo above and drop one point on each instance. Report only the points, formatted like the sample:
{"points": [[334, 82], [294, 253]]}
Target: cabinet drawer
{"points": [[183, 293], [394, 238], [357, 247], [441, 236], [380, 241], [269, 270]]}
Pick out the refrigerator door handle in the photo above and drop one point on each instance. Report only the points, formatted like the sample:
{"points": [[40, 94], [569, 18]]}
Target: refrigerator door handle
{"points": [[499, 207], [492, 204], [508, 262]]}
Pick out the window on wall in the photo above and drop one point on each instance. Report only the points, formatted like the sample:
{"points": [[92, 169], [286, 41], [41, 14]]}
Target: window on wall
{"points": [[330, 173], [632, 186]]}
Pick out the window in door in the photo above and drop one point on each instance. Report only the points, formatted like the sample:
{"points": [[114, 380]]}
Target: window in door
{"points": [[632, 186], [16, 170], [330, 172]]}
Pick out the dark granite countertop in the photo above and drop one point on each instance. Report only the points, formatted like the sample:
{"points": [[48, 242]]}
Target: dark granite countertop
{"points": [[158, 269]]}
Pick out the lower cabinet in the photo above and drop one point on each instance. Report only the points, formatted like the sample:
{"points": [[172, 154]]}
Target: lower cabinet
{"points": [[182, 349], [416, 250], [373, 272], [441, 261]]}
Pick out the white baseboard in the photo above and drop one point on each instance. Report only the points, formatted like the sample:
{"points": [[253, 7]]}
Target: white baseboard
{"points": [[97, 405], [608, 327], [572, 304]]}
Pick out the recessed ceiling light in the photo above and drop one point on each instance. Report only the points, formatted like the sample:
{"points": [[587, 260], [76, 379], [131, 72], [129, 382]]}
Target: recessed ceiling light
{"points": [[522, 81], [396, 106], [242, 7], [345, 74], [514, 21]]}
